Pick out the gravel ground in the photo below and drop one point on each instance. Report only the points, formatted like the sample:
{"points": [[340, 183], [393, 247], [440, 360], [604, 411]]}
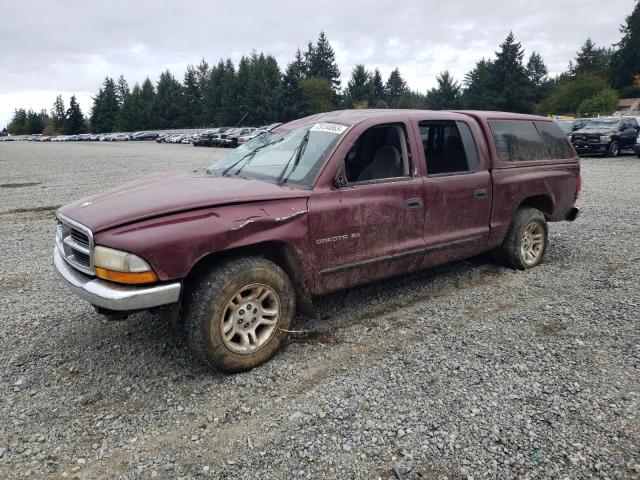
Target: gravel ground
{"points": [[464, 371]]}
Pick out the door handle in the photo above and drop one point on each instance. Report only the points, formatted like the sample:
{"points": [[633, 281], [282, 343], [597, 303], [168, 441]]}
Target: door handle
{"points": [[414, 202], [480, 193]]}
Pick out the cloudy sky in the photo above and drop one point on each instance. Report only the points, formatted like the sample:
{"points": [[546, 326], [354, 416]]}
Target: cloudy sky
{"points": [[68, 47]]}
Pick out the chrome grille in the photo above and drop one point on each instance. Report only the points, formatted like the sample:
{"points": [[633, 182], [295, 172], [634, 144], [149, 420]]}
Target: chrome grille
{"points": [[75, 243], [80, 237]]}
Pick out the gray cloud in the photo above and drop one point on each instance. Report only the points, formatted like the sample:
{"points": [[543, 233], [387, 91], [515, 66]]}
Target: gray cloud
{"points": [[70, 46]]}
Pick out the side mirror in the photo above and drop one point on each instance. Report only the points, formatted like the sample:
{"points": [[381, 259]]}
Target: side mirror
{"points": [[341, 178]]}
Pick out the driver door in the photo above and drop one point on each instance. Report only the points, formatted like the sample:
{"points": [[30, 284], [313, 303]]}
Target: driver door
{"points": [[365, 230]]}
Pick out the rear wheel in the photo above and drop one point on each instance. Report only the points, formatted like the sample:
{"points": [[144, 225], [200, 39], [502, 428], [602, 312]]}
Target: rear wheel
{"points": [[237, 314], [526, 242], [613, 150]]}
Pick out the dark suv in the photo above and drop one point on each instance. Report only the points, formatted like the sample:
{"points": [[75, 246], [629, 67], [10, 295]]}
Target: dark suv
{"points": [[607, 136]]}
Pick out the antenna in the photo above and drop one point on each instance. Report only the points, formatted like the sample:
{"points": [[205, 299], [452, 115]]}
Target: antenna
{"points": [[239, 121]]}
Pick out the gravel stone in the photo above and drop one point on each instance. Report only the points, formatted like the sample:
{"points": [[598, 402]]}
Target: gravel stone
{"points": [[468, 370]]}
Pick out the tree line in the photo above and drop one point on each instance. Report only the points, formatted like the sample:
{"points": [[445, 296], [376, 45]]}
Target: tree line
{"points": [[257, 91]]}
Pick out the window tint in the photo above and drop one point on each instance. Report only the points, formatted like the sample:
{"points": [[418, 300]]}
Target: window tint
{"points": [[518, 140], [555, 139], [445, 149], [469, 145]]}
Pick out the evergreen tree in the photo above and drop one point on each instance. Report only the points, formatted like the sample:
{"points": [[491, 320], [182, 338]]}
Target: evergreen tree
{"points": [[319, 95], [228, 112], [130, 118], [378, 97], [146, 117], [168, 103], [537, 72], [447, 95], [211, 94], [192, 99], [510, 83], [35, 122], [359, 89], [394, 88], [203, 73], [262, 93], [478, 94], [299, 68], [105, 108], [17, 124], [625, 62], [592, 60], [59, 114], [293, 102], [413, 100], [75, 119], [322, 62], [122, 90]]}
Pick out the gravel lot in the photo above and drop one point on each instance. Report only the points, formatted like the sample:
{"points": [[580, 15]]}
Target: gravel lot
{"points": [[465, 371]]}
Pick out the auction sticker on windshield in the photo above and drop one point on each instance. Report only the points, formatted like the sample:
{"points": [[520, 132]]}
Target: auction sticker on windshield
{"points": [[328, 127]]}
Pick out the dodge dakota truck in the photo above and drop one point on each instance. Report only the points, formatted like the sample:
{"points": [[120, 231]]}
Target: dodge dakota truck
{"points": [[316, 205]]}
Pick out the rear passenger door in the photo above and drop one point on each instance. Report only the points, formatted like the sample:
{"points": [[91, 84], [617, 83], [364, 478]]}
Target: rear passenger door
{"points": [[457, 190]]}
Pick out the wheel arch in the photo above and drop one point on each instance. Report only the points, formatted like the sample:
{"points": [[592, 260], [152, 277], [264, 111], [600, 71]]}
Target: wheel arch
{"points": [[279, 252], [543, 202]]}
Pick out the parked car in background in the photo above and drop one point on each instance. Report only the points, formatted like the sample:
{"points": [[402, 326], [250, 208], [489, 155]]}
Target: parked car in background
{"points": [[606, 136], [145, 136], [230, 139], [571, 125], [397, 181], [203, 139], [119, 137]]}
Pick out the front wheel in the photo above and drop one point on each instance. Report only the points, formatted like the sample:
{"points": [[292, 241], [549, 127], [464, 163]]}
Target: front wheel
{"points": [[526, 241], [237, 313], [613, 150]]}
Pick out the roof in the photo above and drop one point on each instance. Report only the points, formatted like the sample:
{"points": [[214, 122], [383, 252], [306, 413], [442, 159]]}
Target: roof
{"points": [[628, 102], [354, 117]]}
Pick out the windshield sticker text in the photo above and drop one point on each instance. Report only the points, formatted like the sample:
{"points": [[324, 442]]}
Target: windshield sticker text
{"points": [[328, 127]]}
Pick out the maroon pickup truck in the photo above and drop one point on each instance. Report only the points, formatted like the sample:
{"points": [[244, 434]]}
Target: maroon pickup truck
{"points": [[318, 204]]}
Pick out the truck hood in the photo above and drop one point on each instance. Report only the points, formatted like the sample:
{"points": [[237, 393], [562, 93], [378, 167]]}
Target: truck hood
{"points": [[594, 131], [170, 192]]}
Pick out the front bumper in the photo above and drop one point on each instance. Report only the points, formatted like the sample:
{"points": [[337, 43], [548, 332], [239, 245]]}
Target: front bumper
{"points": [[590, 147], [113, 296]]}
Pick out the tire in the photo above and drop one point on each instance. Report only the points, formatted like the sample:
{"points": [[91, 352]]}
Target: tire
{"points": [[613, 150], [527, 224], [222, 302]]}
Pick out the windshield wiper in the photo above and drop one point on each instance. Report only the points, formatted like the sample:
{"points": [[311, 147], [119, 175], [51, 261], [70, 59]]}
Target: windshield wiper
{"points": [[249, 155], [297, 155]]}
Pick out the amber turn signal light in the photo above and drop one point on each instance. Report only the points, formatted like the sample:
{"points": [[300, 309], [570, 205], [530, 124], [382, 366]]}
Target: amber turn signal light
{"points": [[126, 277]]}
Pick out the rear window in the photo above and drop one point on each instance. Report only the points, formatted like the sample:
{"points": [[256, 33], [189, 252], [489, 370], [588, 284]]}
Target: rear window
{"points": [[555, 139], [523, 140]]}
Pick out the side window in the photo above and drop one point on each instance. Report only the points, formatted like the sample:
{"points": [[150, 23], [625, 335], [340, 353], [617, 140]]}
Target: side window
{"points": [[448, 147], [381, 152], [555, 140], [518, 140]]}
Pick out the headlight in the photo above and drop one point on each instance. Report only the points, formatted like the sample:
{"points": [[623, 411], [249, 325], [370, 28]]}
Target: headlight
{"points": [[122, 267], [605, 138]]}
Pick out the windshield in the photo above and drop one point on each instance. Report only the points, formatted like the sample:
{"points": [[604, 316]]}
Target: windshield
{"points": [[611, 124], [293, 157], [566, 125]]}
